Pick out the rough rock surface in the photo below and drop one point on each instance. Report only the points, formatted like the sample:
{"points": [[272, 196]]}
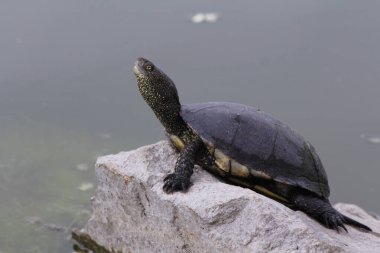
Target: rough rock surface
{"points": [[131, 213]]}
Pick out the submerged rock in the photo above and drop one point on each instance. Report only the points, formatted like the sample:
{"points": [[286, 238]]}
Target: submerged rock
{"points": [[131, 213]]}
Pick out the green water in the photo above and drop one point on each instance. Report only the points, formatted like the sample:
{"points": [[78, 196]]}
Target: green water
{"points": [[39, 181], [68, 95]]}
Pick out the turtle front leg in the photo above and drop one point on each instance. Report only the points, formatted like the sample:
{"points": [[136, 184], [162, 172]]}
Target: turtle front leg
{"points": [[180, 179]]}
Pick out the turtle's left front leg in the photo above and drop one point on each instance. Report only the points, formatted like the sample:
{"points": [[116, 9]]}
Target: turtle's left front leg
{"points": [[180, 179]]}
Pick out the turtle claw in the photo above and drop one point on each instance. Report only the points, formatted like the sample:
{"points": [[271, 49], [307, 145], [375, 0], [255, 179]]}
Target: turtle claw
{"points": [[175, 182], [334, 221]]}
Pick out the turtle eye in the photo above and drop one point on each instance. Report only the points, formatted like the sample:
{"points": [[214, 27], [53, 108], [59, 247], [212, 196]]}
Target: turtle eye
{"points": [[149, 67]]}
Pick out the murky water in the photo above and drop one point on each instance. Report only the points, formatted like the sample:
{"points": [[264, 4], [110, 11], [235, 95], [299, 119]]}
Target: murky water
{"points": [[68, 93]]}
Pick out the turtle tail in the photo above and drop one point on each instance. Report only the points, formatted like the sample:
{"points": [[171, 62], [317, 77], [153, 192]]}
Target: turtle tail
{"points": [[349, 221], [322, 211]]}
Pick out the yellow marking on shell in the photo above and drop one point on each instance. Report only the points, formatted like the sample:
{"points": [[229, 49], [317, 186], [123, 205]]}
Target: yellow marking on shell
{"points": [[239, 170], [177, 142], [217, 170], [210, 149], [222, 160], [268, 193], [259, 174], [236, 169]]}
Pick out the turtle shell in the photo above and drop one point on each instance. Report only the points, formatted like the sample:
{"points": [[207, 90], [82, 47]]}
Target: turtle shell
{"points": [[260, 142]]}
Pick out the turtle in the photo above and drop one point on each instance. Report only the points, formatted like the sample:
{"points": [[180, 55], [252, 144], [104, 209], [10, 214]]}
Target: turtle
{"points": [[243, 146]]}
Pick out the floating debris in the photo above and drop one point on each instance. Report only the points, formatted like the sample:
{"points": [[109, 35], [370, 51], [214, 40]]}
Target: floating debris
{"points": [[82, 167], [373, 139], [198, 18], [209, 17], [86, 186]]}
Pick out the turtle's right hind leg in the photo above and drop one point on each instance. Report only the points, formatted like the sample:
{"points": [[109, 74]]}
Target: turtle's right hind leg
{"points": [[322, 211]]}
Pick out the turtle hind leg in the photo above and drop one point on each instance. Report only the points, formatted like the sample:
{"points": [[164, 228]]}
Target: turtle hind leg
{"points": [[322, 211]]}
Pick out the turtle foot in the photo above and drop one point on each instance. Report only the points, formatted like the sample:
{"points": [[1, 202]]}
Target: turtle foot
{"points": [[333, 220], [176, 182]]}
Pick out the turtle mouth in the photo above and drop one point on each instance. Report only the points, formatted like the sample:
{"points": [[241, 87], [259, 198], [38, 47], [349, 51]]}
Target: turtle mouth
{"points": [[138, 68]]}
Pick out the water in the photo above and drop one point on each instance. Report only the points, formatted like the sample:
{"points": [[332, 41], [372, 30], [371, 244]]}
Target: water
{"points": [[68, 93]]}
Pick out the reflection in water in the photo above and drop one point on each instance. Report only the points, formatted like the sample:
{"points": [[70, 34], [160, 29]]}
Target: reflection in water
{"points": [[68, 93]]}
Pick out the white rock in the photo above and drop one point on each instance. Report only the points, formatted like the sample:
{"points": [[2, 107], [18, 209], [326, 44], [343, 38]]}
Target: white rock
{"points": [[131, 213]]}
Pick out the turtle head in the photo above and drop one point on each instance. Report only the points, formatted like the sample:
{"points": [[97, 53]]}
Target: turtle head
{"points": [[159, 91]]}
